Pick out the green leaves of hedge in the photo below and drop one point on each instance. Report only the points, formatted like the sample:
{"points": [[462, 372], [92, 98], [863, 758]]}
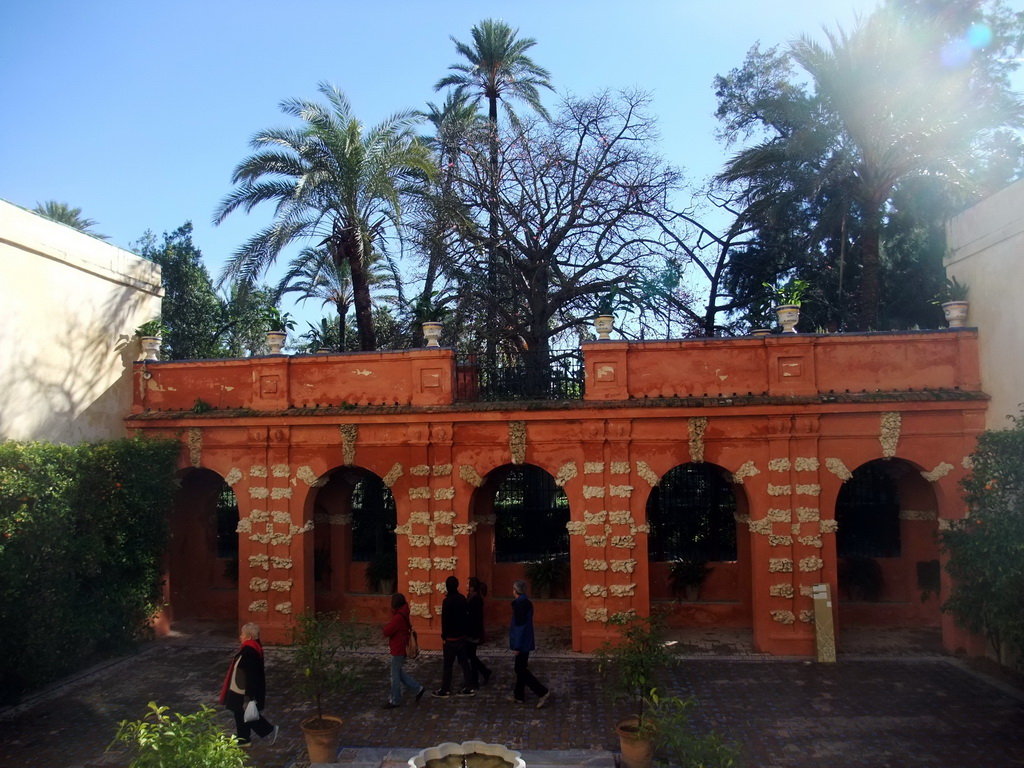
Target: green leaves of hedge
{"points": [[82, 532]]}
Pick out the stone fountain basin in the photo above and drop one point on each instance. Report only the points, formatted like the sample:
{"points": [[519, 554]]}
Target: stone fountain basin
{"points": [[479, 754]]}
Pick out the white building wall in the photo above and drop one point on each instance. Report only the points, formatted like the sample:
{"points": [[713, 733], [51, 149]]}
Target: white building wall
{"points": [[986, 252], [71, 304]]}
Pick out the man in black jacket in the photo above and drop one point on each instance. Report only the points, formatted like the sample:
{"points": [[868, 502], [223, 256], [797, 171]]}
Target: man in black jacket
{"points": [[454, 617]]}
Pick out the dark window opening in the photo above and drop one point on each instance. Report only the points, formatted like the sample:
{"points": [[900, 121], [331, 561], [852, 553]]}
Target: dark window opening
{"points": [[531, 513], [227, 524], [692, 516], [868, 514], [373, 519]]}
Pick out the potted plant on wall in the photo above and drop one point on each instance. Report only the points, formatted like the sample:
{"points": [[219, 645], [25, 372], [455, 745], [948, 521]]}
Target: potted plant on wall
{"points": [[382, 572], [150, 336], [320, 641], [604, 321], [430, 311], [787, 301], [636, 660], [686, 576], [953, 300], [546, 576], [278, 324]]}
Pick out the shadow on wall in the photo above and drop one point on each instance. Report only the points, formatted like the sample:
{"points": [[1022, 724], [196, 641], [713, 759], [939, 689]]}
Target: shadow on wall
{"points": [[71, 382]]}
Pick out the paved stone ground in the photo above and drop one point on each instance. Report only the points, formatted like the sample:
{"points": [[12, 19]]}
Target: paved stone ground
{"points": [[892, 700]]}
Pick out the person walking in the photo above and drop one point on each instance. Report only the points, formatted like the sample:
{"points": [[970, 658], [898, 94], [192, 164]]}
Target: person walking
{"points": [[521, 641], [246, 681], [475, 632], [454, 615], [397, 632]]}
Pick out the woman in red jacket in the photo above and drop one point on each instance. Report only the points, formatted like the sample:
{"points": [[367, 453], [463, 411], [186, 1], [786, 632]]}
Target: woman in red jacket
{"points": [[397, 633]]}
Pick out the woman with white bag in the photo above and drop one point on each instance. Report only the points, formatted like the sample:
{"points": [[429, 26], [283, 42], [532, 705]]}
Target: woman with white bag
{"points": [[245, 688]]}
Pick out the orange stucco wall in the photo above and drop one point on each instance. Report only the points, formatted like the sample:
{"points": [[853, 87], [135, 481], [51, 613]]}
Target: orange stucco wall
{"points": [[788, 417]]}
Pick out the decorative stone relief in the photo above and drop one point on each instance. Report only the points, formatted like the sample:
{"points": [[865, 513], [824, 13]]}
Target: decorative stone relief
{"points": [[576, 527], [763, 527], [309, 477], [646, 473], [938, 473], [566, 472], [517, 441], [419, 540], [595, 518], [464, 529], [623, 542], [781, 590], [807, 514], [244, 526], [918, 514], [281, 586], [419, 563], [837, 468], [623, 566], [807, 616], [595, 565], [260, 516], [967, 462], [444, 494], [595, 541], [470, 475], [419, 587], [748, 469], [445, 517], [806, 464], [593, 467], [420, 492], [257, 470], [280, 493], [595, 590], [779, 541], [445, 563], [233, 476], [283, 563], [889, 435], [443, 470], [828, 526], [783, 617], [441, 588], [623, 615], [419, 470], [620, 517], [811, 541], [596, 615], [779, 465], [393, 474], [257, 584], [780, 515], [444, 541], [811, 489], [259, 606], [285, 608], [696, 427], [195, 449], [349, 435], [807, 591], [620, 467], [593, 491], [419, 609], [258, 492], [779, 490], [795, 528], [622, 590], [281, 470], [780, 565], [284, 518], [811, 564], [259, 562], [620, 491]]}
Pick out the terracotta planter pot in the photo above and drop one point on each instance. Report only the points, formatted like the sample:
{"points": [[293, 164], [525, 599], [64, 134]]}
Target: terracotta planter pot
{"points": [[636, 752], [322, 740]]}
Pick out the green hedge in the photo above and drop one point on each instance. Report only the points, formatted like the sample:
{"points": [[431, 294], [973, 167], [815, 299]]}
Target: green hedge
{"points": [[83, 529]]}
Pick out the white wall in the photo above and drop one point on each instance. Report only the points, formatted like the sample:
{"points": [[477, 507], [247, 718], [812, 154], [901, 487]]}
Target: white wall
{"points": [[71, 304], [986, 245]]}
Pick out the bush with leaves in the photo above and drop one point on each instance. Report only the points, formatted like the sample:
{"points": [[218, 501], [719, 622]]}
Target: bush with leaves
{"points": [[165, 739], [82, 532], [986, 548], [321, 640], [636, 659], [677, 743]]}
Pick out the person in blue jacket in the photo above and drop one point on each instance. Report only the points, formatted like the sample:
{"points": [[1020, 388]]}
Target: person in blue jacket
{"points": [[521, 641]]}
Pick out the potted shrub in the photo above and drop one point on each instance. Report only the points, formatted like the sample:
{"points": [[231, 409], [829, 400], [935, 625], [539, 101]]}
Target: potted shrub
{"points": [[150, 336], [605, 318], [163, 738], [678, 745], [635, 661], [382, 572], [430, 311], [953, 300], [686, 576], [546, 575], [787, 301], [320, 640], [278, 324]]}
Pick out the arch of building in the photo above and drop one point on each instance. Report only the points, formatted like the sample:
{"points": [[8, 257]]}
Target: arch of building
{"points": [[283, 431]]}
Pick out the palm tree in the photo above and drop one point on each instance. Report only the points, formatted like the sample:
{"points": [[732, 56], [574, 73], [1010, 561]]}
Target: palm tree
{"points": [[63, 213], [334, 183], [315, 274], [882, 112], [496, 68]]}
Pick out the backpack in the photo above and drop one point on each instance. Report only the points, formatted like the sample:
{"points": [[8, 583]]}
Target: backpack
{"points": [[412, 644]]}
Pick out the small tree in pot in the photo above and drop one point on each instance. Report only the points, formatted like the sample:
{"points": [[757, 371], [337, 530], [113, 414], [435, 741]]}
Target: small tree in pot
{"points": [[320, 641], [635, 661]]}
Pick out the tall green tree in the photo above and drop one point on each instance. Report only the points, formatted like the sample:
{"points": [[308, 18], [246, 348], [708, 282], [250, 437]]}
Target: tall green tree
{"points": [[63, 213], [497, 67], [880, 109], [315, 274], [334, 183]]}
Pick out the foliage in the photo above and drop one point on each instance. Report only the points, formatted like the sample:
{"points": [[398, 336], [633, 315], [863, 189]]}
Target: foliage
{"points": [[335, 183], [153, 327], [165, 739], [383, 567], [276, 320], [687, 573], [635, 660], [953, 290], [320, 641], [844, 132], [82, 532], [549, 573], [62, 213], [676, 743], [193, 316], [792, 293], [986, 548]]}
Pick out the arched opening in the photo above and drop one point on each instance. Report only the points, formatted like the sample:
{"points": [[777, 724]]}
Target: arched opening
{"points": [[354, 546], [695, 550], [203, 557], [887, 557], [527, 536]]}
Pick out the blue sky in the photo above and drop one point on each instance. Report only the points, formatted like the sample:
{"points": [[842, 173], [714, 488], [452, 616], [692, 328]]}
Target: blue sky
{"points": [[137, 111]]}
